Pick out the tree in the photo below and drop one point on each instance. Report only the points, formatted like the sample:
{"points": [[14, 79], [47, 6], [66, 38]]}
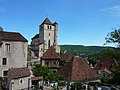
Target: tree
{"points": [[116, 77], [113, 37], [77, 85], [47, 74], [108, 53]]}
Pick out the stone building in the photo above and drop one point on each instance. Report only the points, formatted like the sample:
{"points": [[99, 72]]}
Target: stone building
{"points": [[47, 37], [13, 60], [13, 51], [19, 79], [51, 59]]}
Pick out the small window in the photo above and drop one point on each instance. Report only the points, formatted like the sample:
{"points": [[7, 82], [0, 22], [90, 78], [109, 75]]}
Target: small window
{"points": [[49, 34], [47, 27], [50, 27], [4, 61], [54, 63], [5, 73], [7, 47], [41, 49], [21, 81]]}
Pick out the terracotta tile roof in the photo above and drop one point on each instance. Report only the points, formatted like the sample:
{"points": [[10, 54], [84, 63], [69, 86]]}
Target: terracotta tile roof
{"points": [[66, 57], [15, 73], [36, 36], [50, 54], [110, 64], [77, 69], [36, 78], [12, 36], [47, 21]]}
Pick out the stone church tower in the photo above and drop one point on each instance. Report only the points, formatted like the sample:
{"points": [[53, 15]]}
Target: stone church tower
{"points": [[47, 37]]}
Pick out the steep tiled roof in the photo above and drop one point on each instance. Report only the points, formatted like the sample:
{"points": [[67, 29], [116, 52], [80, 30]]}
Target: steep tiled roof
{"points": [[66, 57], [15, 73], [50, 54], [12, 36], [47, 21], [36, 36], [77, 69], [107, 63]]}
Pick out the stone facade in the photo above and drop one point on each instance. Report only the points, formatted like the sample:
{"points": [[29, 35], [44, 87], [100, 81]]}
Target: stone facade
{"points": [[13, 53]]}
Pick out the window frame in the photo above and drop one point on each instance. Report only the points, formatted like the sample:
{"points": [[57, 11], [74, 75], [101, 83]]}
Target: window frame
{"points": [[4, 61], [7, 47]]}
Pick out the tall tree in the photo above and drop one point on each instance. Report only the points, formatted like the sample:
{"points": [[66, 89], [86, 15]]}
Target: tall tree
{"points": [[113, 37]]}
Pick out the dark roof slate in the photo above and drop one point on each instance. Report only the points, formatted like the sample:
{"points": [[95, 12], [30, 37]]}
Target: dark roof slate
{"points": [[12, 36], [47, 21], [15, 73], [50, 54], [77, 69], [36, 36]]}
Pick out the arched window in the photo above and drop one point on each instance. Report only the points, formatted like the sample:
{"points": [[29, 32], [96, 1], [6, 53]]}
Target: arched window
{"points": [[48, 44]]}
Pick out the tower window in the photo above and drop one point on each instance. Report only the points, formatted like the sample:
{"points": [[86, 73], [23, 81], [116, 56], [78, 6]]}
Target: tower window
{"points": [[48, 44], [50, 27], [47, 27], [4, 61]]}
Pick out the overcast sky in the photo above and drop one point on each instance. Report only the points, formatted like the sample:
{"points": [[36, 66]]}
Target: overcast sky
{"points": [[83, 22]]}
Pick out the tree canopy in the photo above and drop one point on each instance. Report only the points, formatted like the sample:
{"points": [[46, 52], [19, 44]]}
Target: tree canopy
{"points": [[47, 74], [113, 37]]}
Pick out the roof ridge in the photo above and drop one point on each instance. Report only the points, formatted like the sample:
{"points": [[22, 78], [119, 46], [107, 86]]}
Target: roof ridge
{"points": [[47, 21]]}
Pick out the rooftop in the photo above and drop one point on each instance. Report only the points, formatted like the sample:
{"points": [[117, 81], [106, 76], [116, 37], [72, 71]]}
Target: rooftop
{"points": [[77, 69], [50, 54], [12, 36], [15, 73]]}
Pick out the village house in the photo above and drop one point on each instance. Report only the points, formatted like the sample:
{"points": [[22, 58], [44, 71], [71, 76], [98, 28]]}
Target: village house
{"points": [[13, 51], [106, 66], [51, 59], [19, 79], [13, 59]]}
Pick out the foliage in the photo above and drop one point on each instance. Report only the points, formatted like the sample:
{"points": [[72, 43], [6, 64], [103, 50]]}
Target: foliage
{"points": [[60, 78], [113, 37], [105, 80], [2, 80], [76, 85], [47, 74], [81, 50], [93, 58], [108, 53], [94, 83], [116, 77]]}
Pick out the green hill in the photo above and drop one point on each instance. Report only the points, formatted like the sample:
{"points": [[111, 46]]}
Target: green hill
{"points": [[81, 50]]}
